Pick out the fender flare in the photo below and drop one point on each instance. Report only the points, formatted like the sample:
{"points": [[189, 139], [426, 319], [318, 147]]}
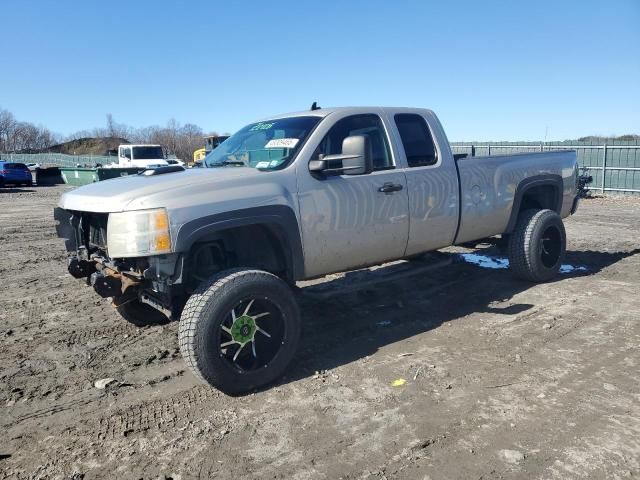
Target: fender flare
{"points": [[527, 184], [280, 219]]}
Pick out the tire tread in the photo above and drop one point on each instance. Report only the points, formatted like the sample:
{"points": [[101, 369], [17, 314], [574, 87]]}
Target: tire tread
{"points": [[520, 249]]}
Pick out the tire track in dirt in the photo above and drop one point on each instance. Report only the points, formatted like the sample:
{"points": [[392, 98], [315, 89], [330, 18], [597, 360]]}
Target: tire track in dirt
{"points": [[110, 333], [161, 415], [33, 311]]}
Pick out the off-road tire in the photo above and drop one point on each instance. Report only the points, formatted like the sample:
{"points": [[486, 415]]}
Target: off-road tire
{"points": [[537, 233], [141, 314], [207, 308]]}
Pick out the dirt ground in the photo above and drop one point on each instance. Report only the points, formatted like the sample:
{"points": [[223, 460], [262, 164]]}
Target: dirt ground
{"points": [[503, 379]]}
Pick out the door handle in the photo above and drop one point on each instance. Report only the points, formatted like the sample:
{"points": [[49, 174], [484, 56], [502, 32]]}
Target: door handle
{"points": [[390, 188]]}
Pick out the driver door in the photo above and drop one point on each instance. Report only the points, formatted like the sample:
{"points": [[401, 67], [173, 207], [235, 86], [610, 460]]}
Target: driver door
{"points": [[350, 221]]}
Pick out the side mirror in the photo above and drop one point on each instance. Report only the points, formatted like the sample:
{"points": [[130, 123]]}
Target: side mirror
{"points": [[356, 158]]}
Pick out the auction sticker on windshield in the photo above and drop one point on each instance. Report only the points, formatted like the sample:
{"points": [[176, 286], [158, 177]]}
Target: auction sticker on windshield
{"points": [[282, 143], [261, 126]]}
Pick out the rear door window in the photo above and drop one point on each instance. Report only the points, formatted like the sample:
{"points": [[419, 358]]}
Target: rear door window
{"points": [[417, 141], [15, 166]]}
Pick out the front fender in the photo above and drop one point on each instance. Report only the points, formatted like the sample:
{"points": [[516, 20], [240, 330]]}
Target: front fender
{"points": [[280, 218]]}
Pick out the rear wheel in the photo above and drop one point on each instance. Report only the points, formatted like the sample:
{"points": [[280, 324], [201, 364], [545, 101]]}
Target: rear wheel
{"points": [[240, 330], [537, 245]]}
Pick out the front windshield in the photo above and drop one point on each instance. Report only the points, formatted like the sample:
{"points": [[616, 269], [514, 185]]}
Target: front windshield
{"points": [[147, 153], [264, 145]]}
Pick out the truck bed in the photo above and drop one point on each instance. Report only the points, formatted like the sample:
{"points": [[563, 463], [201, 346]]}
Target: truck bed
{"points": [[488, 188]]}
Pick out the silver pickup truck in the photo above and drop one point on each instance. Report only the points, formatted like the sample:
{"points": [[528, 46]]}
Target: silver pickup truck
{"points": [[294, 197]]}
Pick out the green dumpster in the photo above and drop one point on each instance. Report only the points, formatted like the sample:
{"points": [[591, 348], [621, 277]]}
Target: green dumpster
{"points": [[83, 176], [78, 175], [109, 173]]}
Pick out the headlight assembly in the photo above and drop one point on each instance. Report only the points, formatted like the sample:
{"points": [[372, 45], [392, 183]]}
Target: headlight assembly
{"points": [[138, 233]]}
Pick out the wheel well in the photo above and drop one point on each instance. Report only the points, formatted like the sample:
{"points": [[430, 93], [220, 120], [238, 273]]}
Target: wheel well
{"points": [[540, 196], [536, 193], [260, 246]]}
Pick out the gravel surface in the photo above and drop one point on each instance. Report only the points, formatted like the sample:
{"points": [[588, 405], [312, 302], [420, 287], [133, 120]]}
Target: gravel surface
{"points": [[459, 372]]}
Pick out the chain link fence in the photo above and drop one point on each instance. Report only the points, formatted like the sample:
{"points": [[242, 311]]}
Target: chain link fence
{"points": [[58, 159]]}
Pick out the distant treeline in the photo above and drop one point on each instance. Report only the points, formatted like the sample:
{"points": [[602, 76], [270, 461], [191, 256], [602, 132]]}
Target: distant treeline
{"points": [[597, 138], [24, 137], [17, 136]]}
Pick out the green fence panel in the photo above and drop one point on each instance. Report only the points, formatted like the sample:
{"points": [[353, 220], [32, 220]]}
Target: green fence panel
{"points": [[622, 168]]}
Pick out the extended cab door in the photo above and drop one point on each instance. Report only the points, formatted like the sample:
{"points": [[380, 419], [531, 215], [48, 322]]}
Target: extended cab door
{"points": [[432, 179], [349, 221]]}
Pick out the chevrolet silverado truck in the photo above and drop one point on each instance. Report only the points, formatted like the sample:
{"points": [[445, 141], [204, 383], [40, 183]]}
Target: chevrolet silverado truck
{"points": [[296, 197]]}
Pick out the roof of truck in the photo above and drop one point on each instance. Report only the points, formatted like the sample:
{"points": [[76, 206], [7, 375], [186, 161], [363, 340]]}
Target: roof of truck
{"points": [[323, 112], [139, 145]]}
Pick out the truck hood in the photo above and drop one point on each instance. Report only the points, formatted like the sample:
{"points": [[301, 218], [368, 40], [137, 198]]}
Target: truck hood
{"points": [[137, 192]]}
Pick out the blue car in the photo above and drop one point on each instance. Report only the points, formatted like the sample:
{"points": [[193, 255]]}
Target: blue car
{"points": [[15, 173]]}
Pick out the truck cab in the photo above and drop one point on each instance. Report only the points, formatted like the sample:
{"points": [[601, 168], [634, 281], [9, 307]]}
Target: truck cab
{"points": [[145, 156], [211, 142]]}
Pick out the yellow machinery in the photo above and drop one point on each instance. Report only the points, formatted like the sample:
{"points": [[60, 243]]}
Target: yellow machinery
{"points": [[199, 154]]}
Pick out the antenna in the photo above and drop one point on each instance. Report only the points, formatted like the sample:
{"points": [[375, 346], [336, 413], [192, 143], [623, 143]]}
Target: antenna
{"points": [[314, 106]]}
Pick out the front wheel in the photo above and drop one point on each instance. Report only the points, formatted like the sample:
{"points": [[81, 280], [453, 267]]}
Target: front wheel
{"points": [[537, 245], [240, 330]]}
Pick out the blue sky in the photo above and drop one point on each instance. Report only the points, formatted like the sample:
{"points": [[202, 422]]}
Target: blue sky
{"points": [[492, 70]]}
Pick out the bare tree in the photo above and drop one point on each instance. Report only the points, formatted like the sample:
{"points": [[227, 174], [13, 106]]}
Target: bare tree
{"points": [[175, 138], [190, 139], [7, 125], [22, 136], [111, 131]]}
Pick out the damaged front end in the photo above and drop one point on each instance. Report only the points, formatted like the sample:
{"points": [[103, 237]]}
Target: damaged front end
{"points": [[153, 280]]}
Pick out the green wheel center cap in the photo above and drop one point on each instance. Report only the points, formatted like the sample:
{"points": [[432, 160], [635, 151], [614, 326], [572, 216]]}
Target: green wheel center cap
{"points": [[243, 329]]}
